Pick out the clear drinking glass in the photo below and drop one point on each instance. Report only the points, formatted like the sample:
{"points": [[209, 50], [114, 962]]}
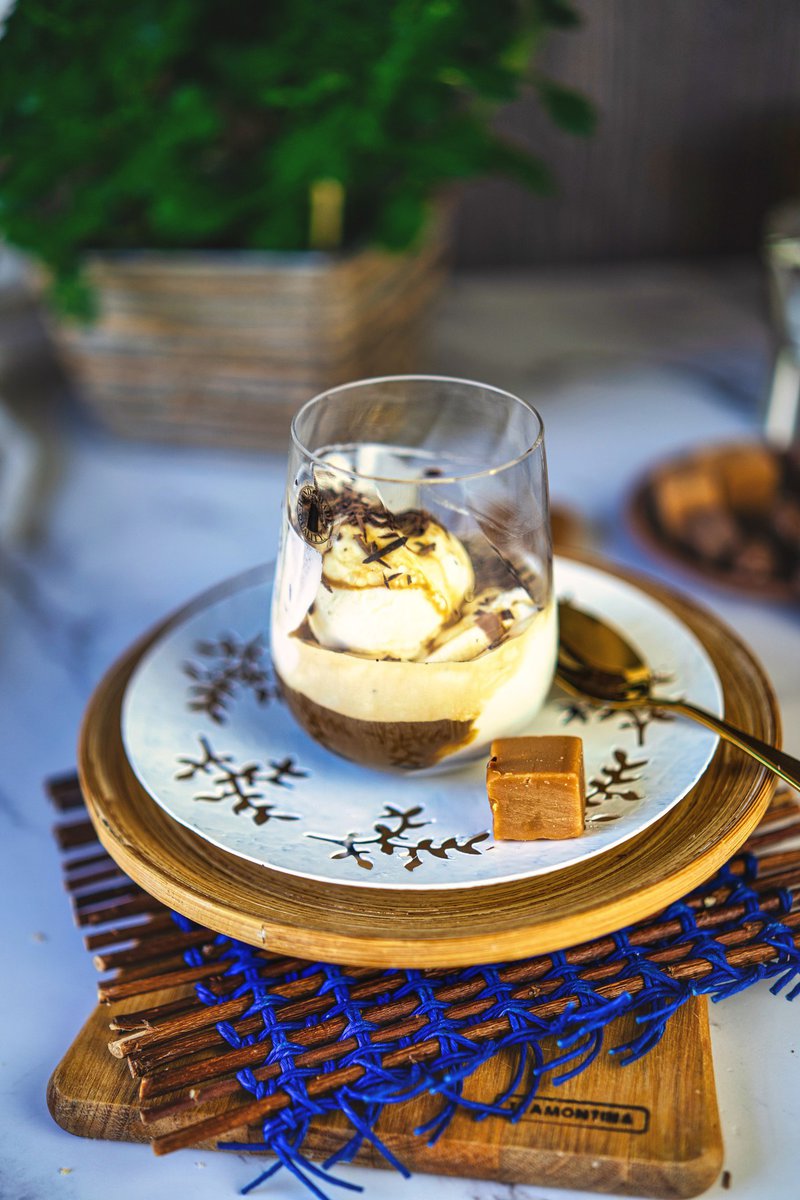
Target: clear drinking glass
{"points": [[782, 244], [413, 615]]}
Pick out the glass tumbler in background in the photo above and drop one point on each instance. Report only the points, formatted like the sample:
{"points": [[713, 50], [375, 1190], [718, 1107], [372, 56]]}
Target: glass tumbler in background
{"points": [[782, 250], [413, 615]]}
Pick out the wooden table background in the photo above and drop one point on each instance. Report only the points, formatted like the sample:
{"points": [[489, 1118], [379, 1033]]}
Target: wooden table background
{"points": [[698, 106]]}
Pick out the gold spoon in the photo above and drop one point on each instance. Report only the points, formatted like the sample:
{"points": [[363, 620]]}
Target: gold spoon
{"points": [[596, 663]]}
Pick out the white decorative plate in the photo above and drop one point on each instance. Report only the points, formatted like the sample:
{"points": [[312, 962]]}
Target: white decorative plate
{"points": [[211, 742]]}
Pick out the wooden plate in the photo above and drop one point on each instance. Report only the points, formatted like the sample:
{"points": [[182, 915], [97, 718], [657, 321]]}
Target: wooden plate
{"points": [[427, 928]]}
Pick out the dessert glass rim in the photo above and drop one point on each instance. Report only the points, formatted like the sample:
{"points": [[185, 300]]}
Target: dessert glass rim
{"points": [[318, 460]]}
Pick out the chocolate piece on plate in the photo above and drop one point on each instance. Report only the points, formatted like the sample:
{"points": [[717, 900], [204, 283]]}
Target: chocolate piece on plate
{"points": [[756, 557], [537, 788], [713, 533], [681, 495], [786, 520], [749, 476]]}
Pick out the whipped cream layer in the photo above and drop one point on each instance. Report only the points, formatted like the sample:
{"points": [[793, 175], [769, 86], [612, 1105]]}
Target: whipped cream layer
{"points": [[495, 693]]}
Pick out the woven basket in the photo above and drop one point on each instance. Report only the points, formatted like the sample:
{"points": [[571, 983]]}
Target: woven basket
{"points": [[222, 348]]}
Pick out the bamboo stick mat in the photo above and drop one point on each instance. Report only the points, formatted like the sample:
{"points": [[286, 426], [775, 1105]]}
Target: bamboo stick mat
{"points": [[651, 1128]]}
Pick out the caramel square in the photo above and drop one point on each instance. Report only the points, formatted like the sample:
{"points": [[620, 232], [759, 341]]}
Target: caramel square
{"points": [[750, 476], [536, 788], [681, 495]]}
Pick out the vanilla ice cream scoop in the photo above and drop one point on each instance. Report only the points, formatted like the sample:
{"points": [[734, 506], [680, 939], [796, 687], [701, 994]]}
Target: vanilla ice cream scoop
{"points": [[485, 621], [386, 593]]}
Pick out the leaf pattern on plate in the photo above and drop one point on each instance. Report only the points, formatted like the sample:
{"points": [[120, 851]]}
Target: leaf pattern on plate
{"points": [[386, 838]]}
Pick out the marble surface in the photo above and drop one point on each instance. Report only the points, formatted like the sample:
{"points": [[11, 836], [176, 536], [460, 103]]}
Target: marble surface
{"points": [[626, 365]]}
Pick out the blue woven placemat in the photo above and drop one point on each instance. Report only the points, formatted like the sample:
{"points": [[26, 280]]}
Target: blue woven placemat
{"points": [[287, 1040]]}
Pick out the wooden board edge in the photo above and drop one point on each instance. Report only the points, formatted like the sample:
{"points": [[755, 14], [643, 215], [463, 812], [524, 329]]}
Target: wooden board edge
{"points": [[455, 1155]]}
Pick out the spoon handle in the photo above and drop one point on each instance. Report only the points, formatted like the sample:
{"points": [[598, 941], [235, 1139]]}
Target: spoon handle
{"points": [[782, 764]]}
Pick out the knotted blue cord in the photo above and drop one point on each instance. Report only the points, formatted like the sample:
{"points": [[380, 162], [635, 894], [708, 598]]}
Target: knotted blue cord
{"points": [[560, 1046]]}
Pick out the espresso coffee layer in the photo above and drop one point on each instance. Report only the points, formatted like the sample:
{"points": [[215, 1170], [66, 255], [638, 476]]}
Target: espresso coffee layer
{"points": [[406, 745]]}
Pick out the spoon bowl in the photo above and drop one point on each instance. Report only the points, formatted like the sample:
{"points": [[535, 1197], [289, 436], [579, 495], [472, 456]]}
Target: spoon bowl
{"points": [[596, 663]]}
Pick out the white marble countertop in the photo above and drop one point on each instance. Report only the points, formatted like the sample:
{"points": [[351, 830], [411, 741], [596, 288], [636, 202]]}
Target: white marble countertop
{"points": [[625, 365]]}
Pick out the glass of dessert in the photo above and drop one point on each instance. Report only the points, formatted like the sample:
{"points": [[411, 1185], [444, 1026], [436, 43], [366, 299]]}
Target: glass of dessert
{"points": [[413, 614]]}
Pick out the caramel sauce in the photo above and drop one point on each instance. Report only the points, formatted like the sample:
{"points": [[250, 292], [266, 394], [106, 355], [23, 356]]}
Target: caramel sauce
{"points": [[401, 582]]}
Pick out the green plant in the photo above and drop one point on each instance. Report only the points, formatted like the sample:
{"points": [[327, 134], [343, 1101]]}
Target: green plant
{"points": [[220, 123]]}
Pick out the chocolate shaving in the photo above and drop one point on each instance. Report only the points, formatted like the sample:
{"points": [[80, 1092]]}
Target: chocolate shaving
{"points": [[351, 507], [325, 584], [506, 615], [423, 548], [377, 555], [413, 521], [490, 624]]}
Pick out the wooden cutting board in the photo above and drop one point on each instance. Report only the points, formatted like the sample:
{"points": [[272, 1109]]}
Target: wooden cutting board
{"points": [[650, 1129]]}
